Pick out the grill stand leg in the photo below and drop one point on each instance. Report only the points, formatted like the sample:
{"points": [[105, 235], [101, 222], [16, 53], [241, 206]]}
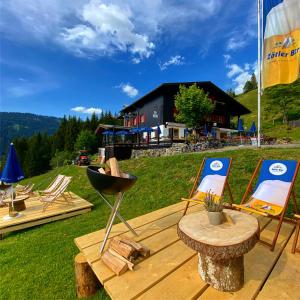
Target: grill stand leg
{"points": [[117, 214]]}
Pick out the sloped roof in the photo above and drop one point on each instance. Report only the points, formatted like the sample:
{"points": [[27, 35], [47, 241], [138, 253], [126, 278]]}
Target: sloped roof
{"points": [[235, 107]]}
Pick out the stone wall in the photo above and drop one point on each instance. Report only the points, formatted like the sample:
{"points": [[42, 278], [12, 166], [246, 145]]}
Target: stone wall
{"points": [[176, 148]]}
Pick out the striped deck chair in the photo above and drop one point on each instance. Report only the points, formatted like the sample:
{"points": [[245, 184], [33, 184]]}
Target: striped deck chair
{"points": [[272, 192], [53, 185], [27, 190], [212, 177], [58, 195]]}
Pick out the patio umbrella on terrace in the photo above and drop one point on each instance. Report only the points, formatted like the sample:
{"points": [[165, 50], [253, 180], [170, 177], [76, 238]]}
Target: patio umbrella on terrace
{"points": [[213, 132], [135, 130], [108, 132], [240, 128], [205, 130], [122, 132], [253, 128], [12, 171]]}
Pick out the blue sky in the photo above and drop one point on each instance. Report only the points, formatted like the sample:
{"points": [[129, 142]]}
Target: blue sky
{"points": [[79, 56]]}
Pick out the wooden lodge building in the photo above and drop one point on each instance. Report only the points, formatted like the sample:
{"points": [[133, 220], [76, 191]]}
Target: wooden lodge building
{"points": [[158, 108]]}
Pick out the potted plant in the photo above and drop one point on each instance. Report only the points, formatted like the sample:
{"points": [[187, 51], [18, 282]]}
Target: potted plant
{"points": [[214, 209]]}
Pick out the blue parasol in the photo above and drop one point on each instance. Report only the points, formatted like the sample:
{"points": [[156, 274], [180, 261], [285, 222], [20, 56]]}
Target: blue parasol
{"points": [[122, 132], [147, 129], [108, 132], [213, 132], [240, 127], [12, 171], [186, 132], [135, 130], [252, 128], [158, 130], [205, 130]]}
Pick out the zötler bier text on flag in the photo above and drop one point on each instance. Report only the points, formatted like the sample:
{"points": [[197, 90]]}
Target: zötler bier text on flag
{"points": [[281, 55]]}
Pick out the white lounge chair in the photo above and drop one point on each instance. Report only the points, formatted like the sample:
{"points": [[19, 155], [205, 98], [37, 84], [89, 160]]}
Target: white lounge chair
{"points": [[58, 195]]}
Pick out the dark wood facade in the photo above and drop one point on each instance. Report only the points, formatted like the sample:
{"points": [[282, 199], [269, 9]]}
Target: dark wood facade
{"points": [[158, 107]]}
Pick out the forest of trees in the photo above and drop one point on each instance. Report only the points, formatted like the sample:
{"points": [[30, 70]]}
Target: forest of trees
{"points": [[41, 151]]}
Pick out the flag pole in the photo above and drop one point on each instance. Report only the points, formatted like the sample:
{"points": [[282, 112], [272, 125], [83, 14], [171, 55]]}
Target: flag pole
{"points": [[259, 69]]}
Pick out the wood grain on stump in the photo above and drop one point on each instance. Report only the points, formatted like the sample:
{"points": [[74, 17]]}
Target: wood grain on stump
{"points": [[87, 283], [221, 248]]}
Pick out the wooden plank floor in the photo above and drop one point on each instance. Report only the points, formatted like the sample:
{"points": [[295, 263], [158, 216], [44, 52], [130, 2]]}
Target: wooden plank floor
{"points": [[171, 270], [34, 215]]}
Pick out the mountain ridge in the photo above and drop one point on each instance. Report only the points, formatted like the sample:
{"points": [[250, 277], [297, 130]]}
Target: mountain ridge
{"points": [[15, 124]]}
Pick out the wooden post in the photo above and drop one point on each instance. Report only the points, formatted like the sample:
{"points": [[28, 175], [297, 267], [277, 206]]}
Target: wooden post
{"points": [[87, 283]]}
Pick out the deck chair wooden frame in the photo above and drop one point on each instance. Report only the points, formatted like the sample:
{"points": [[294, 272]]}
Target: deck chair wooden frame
{"points": [[280, 217], [53, 185], [294, 247], [196, 184], [54, 197], [28, 190]]}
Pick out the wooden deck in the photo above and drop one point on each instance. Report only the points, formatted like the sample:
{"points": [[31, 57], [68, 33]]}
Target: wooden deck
{"points": [[34, 215], [171, 270]]}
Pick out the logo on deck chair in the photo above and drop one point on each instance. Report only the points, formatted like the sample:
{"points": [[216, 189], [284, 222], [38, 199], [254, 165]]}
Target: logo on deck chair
{"points": [[216, 165], [277, 169]]}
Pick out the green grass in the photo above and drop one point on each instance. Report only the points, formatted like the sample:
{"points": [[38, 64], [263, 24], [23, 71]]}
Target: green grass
{"points": [[271, 117], [37, 263]]}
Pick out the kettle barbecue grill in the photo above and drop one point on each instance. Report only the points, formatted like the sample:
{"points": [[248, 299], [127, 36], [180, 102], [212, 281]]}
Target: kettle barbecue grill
{"points": [[111, 185]]}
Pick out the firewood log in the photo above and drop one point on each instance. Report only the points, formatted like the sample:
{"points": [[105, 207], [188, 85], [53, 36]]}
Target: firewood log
{"points": [[114, 167], [122, 248], [128, 262], [118, 266]]}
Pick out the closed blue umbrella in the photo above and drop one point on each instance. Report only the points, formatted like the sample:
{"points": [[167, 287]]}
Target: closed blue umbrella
{"points": [[12, 171], [205, 130], [186, 132], [158, 130], [240, 126], [213, 132], [252, 128]]}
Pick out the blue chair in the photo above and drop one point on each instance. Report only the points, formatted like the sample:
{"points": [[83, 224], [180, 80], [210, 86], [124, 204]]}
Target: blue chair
{"points": [[272, 192], [212, 178]]}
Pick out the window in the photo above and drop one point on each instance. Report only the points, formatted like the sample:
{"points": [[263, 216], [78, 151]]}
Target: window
{"points": [[143, 118]]}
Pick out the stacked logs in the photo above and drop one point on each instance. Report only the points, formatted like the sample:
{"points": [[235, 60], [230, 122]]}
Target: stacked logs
{"points": [[111, 168], [122, 254]]}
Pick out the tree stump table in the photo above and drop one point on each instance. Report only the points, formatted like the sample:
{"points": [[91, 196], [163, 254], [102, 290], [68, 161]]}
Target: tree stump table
{"points": [[220, 248], [19, 203]]}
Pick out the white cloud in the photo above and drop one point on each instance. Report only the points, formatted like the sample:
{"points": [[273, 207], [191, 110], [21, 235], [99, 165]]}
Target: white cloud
{"points": [[239, 74], [176, 60], [234, 69], [85, 110], [129, 90], [91, 28], [105, 29], [136, 60]]}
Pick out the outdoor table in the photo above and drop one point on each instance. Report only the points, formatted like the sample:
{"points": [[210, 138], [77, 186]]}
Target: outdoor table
{"points": [[19, 203], [220, 248]]}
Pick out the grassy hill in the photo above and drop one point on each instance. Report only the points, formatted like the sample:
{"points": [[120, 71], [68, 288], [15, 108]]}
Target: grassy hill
{"points": [[37, 263], [271, 112], [13, 125]]}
